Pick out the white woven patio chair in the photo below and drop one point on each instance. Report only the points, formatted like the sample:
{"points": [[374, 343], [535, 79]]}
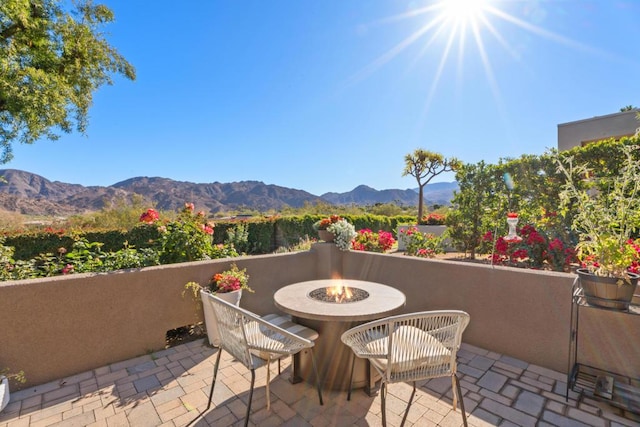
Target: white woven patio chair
{"points": [[411, 347], [254, 342]]}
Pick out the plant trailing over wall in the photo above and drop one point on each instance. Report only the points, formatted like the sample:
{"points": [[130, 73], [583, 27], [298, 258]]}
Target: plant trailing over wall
{"points": [[344, 233], [15, 376]]}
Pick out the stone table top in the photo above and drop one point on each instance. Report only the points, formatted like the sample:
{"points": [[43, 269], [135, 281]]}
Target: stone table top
{"points": [[383, 300]]}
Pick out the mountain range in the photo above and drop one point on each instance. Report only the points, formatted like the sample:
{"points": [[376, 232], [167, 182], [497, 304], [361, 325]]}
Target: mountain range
{"points": [[31, 194]]}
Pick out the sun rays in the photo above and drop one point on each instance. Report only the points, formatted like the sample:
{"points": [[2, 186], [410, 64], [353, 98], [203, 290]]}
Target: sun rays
{"points": [[454, 30]]}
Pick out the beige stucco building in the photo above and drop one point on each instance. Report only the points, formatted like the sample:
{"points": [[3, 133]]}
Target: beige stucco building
{"points": [[584, 131]]}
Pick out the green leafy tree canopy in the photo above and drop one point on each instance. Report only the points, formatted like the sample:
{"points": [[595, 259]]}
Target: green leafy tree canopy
{"points": [[51, 62]]}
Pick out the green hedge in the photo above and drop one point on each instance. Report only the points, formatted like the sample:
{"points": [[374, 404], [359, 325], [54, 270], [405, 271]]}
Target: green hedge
{"points": [[264, 234], [28, 246]]}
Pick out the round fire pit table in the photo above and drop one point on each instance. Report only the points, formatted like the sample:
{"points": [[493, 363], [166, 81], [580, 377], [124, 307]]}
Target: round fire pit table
{"points": [[323, 305]]}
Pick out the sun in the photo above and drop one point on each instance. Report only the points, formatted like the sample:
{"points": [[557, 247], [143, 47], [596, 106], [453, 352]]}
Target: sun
{"points": [[462, 12], [456, 30]]}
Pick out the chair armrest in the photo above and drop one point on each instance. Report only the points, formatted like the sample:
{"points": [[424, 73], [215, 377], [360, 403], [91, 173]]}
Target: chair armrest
{"points": [[369, 340], [267, 337]]}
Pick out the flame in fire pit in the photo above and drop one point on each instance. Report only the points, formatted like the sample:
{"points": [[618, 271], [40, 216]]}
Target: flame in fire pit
{"points": [[339, 293]]}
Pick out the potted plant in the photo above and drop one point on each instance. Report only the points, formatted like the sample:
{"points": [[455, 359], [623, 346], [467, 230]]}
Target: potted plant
{"points": [[343, 233], [5, 376], [227, 285], [606, 211], [322, 225]]}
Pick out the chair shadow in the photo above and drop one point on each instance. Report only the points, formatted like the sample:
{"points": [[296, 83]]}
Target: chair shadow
{"points": [[283, 392], [124, 384]]}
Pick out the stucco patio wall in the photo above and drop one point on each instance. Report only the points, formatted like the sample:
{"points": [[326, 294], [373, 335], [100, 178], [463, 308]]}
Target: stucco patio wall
{"points": [[517, 312], [56, 327], [521, 313], [59, 326]]}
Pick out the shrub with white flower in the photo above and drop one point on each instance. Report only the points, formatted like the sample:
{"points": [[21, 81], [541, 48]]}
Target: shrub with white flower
{"points": [[344, 233]]}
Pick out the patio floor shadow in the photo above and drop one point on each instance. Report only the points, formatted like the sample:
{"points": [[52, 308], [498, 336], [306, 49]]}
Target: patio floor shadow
{"points": [[170, 388]]}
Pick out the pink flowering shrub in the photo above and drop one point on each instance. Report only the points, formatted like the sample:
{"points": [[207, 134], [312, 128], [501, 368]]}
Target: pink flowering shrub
{"points": [[424, 245], [367, 240]]}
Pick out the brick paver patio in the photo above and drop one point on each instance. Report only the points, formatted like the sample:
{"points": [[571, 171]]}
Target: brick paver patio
{"points": [[170, 388]]}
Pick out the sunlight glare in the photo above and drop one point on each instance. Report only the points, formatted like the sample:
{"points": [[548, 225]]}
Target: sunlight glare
{"points": [[466, 27], [463, 11]]}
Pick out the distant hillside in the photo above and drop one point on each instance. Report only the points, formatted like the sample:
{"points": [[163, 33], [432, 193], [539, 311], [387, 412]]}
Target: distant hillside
{"points": [[31, 194], [439, 193], [364, 195], [171, 195]]}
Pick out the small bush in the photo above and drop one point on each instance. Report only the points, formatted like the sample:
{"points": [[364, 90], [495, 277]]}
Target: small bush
{"points": [[424, 245], [367, 240]]}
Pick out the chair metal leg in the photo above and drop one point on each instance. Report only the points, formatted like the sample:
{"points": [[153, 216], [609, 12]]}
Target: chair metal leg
{"points": [[353, 364], [406, 411], [383, 392], [268, 380], [253, 380], [215, 373], [315, 370], [459, 392]]}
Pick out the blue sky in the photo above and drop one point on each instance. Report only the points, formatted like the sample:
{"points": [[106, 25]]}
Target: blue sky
{"points": [[327, 95]]}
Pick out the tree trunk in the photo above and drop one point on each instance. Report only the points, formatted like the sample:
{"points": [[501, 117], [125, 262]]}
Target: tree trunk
{"points": [[420, 202]]}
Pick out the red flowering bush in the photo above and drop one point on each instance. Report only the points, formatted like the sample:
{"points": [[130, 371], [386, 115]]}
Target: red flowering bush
{"points": [[149, 216], [535, 250], [432, 219], [425, 253], [367, 240], [187, 238], [425, 245]]}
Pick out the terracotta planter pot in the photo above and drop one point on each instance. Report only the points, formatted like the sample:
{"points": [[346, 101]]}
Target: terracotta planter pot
{"points": [[210, 320], [325, 235], [607, 292]]}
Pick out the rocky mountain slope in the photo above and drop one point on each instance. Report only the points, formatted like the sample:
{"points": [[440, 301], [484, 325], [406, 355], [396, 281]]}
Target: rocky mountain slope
{"points": [[32, 194], [439, 193]]}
